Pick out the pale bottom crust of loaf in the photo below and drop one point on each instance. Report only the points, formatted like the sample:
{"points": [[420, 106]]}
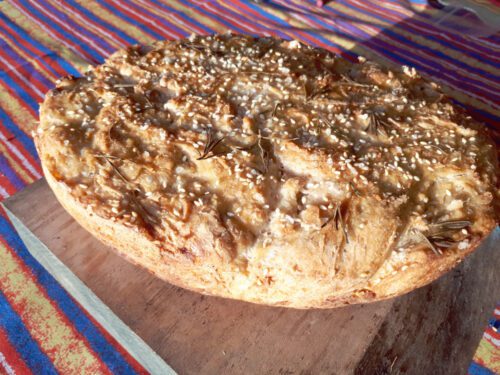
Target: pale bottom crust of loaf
{"points": [[397, 276]]}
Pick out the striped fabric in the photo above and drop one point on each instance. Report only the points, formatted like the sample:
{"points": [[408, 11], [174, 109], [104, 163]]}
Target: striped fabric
{"points": [[42, 329]]}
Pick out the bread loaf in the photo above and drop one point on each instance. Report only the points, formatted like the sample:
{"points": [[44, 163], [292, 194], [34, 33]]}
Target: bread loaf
{"points": [[270, 171]]}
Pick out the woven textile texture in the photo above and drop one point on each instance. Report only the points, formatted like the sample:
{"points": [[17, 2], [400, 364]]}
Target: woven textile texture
{"points": [[42, 328]]}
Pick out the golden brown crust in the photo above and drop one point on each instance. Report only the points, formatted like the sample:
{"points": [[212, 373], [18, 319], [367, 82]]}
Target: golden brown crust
{"points": [[269, 171]]}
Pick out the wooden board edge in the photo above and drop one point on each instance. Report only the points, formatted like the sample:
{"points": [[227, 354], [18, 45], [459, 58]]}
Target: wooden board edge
{"points": [[130, 341], [380, 356]]}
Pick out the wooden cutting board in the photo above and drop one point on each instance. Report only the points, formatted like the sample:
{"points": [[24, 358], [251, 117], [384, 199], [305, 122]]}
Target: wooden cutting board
{"points": [[435, 329]]}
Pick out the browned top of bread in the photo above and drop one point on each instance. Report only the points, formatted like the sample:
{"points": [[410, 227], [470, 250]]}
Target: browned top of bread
{"points": [[268, 170]]}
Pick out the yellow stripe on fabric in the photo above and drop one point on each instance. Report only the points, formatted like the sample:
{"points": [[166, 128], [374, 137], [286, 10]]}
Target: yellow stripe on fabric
{"points": [[456, 92], [21, 116], [482, 103], [330, 36], [47, 73], [165, 15], [119, 23], [41, 35], [208, 22], [488, 354], [295, 23], [56, 338], [86, 25], [16, 166], [415, 38]]}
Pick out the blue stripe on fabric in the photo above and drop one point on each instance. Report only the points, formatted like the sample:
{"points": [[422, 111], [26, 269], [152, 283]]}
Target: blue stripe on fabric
{"points": [[15, 58], [261, 27], [4, 76], [491, 118], [95, 17], [307, 32], [104, 349], [319, 19], [65, 35], [282, 34], [163, 21], [47, 52], [213, 16], [64, 18], [7, 171], [476, 369], [182, 15], [411, 44], [20, 136], [120, 14], [19, 337], [414, 22], [402, 57], [386, 49]]}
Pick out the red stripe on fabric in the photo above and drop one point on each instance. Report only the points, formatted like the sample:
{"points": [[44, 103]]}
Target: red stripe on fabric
{"points": [[15, 169], [29, 159], [113, 342], [493, 335], [412, 23], [19, 308], [409, 44], [92, 41], [244, 24], [13, 93], [14, 361], [99, 28], [131, 6], [449, 75], [17, 39], [21, 75], [443, 65], [110, 339], [75, 48], [169, 34], [304, 35], [154, 8], [7, 185], [240, 22]]}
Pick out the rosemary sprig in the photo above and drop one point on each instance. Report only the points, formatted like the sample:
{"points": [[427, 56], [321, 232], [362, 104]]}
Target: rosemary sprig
{"points": [[306, 91], [356, 191], [115, 168], [319, 92], [339, 222], [145, 213], [201, 48], [452, 225], [149, 219], [376, 125], [124, 85], [210, 145], [345, 80], [276, 105], [441, 241], [426, 241], [197, 47], [264, 155], [436, 237]]}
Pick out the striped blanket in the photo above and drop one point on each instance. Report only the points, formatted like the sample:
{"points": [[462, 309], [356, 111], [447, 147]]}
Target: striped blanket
{"points": [[42, 328]]}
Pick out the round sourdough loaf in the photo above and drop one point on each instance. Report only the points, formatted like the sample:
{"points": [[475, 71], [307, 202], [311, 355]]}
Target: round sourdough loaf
{"points": [[270, 171]]}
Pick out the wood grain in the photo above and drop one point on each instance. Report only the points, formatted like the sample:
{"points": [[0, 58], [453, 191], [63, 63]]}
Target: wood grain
{"points": [[432, 330]]}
